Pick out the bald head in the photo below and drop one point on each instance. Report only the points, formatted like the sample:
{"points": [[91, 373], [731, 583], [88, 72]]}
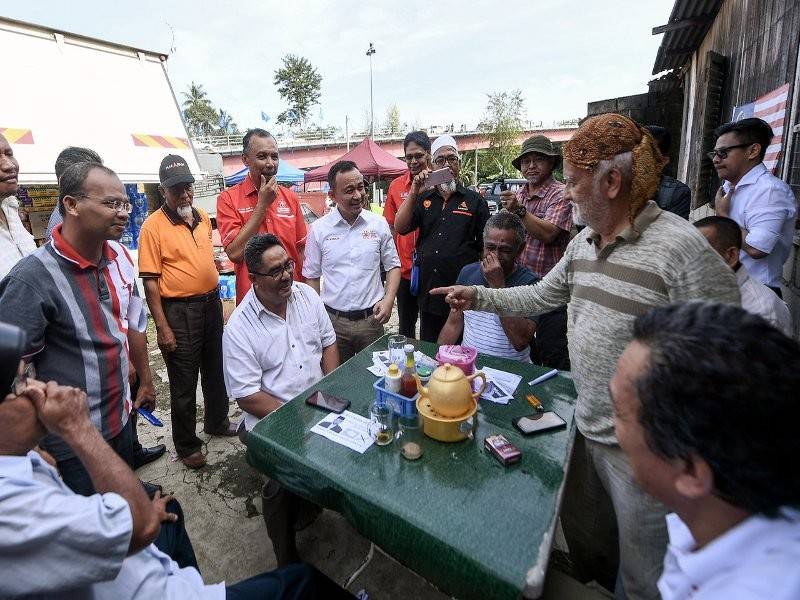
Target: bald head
{"points": [[9, 169]]}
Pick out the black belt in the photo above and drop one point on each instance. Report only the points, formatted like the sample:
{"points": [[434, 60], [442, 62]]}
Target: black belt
{"points": [[350, 315], [207, 297]]}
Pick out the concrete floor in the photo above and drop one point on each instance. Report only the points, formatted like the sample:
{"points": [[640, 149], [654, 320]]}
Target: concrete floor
{"points": [[222, 507]]}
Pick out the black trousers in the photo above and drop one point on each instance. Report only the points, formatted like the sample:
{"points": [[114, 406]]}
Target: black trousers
{"points": [[549, 347], [430, 326], [198, 332], [407, 309]]}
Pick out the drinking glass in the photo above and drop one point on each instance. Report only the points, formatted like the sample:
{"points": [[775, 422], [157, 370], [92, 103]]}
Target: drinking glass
{"points": [[409, 436], [382, 417], [396, 353]]}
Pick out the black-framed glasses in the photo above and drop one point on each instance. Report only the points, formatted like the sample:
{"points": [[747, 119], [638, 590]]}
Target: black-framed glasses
{"points": [[722, 153], [115, 205], [277, 272], [450, 159]]}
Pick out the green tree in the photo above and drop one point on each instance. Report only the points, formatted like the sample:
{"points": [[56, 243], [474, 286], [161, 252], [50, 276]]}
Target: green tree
{"points": [[393, 119], [201, 118], [299, 85], [503, 124]]}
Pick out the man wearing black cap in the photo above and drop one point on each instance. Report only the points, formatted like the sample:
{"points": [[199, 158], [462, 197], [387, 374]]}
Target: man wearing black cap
{"points": [[176, 263]]}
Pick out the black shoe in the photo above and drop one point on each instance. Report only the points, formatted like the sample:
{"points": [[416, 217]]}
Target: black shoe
{"points": [[148, 455], [151, 489]]}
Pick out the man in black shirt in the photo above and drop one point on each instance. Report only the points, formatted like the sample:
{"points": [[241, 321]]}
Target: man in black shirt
{"points": [[673, 195], [450, 219]]}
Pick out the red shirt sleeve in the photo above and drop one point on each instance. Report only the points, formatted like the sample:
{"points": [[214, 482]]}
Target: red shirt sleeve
{"points": [[229, 222], [392, 203]]}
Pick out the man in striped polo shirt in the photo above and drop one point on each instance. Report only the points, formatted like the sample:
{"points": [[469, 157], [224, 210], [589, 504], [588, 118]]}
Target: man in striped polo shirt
{"points": [[76, 300], [631, 257]]}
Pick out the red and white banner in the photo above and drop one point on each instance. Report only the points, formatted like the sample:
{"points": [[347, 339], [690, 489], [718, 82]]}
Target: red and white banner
{"points": [[772, 108]]}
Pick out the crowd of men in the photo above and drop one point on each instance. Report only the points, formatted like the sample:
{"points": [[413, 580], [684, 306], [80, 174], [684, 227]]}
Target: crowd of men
{"points": [[676, 335]]}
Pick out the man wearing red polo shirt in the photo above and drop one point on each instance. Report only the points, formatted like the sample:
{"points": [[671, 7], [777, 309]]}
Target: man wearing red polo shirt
{"points": [[417, 149], [259, 205]]}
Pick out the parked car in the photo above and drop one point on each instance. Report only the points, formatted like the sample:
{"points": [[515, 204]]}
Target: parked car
{"points": [[493, 193]]}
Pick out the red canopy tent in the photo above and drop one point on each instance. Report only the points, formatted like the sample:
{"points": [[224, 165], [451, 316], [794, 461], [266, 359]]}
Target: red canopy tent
{"points": [[371, 159]]}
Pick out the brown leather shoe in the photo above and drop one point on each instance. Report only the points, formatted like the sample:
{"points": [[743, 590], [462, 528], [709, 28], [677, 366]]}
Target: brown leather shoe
{"points": [[194, 460], [230, 431]]}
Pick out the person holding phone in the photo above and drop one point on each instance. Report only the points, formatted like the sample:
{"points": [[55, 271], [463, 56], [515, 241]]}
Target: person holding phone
{"points": [[450, 219], [278, 342]]}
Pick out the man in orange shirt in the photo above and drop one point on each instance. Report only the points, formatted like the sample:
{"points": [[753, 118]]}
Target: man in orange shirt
{"points": [[259, 205], [176, 263], [417, 149]]}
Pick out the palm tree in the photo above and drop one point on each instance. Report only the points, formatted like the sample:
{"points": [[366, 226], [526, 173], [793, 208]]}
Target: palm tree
{"points": [[200, 115], [196, 94]]}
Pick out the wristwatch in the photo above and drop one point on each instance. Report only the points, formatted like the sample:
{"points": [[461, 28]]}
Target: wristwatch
{"points": [[520, 211]]}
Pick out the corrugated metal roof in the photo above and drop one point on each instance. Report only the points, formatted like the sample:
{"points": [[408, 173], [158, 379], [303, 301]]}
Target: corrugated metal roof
{"points": [[678, 45]]}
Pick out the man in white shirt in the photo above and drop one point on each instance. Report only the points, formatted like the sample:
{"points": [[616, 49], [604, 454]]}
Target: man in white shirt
{"points": [[55, 543], [706, 411], [725, 237], [347, 248], [278, 342], [763, 205], [15, 240]]}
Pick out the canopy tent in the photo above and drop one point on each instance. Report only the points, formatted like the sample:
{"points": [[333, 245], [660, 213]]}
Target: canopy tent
{"points": [[371, 160], [287, 173]]}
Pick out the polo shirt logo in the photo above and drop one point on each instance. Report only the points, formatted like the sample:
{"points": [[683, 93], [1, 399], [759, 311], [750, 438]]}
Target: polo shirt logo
{"points": [[463, 206], [369, 234], [246, 209], [283, 209], [426, 204]]}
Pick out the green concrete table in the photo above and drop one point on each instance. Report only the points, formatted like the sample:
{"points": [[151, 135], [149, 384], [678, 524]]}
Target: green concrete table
{"points": [[470, 526]]}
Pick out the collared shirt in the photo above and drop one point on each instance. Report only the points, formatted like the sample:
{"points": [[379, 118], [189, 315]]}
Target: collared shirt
{"points": [[483, 330], [15, 240], [398, 192], [180, 255], [755, 560], [76, 315], [55, 219], [549, 204], [674, 196], [658, 260], [349, 259], [55, 543], [264, 352], [764, 302], [766, 207], [284, 218], [450, 237]]}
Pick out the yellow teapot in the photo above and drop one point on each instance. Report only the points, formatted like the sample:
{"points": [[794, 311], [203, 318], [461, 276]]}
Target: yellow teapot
{"points": [[449, 391]]}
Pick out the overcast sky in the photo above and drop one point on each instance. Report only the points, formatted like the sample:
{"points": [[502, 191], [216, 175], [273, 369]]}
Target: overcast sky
{"points": [[435, 60]]}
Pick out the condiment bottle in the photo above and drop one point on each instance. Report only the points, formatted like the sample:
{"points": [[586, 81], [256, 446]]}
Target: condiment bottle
{"points": [[408, 385], [392, 379]]}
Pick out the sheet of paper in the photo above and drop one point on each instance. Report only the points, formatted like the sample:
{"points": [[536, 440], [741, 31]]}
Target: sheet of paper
{"points": [[348, 429], [381, 362], [500, 385]]}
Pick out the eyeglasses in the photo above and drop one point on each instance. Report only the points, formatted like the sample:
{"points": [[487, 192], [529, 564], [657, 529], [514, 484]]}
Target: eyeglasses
{"points": [[722, 153], [419, 157], [115, 205], [277, 272], [450, 159]]}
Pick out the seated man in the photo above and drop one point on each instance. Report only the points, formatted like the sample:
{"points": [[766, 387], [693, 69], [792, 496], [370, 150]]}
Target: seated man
{"points": [[56, 543], [508, 337], [278, 342], [705, 401], [725, 237]]}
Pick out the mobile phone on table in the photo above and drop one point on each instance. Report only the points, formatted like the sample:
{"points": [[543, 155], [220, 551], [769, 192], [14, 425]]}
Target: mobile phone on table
{"points": [[503, 450], [538, 422], [327, 402], [438, 177]]}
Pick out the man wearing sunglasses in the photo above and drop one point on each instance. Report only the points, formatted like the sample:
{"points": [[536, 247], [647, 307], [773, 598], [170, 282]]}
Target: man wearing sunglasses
{"points": [[278, 342], [176, 263], [762, 205]]}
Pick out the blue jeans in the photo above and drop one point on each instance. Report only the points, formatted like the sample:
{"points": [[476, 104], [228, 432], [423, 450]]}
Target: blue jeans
{"points": [[295, 582]]}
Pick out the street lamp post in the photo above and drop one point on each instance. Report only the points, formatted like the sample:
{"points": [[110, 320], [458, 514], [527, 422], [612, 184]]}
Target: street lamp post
{"points": [[370, 52]]}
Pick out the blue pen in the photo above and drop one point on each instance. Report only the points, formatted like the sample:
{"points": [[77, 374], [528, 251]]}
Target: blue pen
{"points": [[545, 377]]}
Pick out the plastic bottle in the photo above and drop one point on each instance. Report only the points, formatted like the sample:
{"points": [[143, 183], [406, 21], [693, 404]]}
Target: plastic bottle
{"points": [[408, 385], [393, 378]]}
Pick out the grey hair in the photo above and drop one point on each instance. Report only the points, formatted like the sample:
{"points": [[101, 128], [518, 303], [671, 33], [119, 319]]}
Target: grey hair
{"points": [[507, 221], [621, 162]]}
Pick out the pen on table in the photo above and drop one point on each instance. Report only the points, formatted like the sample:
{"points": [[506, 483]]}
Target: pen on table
{"points": [[534, 402], [545, 377]]}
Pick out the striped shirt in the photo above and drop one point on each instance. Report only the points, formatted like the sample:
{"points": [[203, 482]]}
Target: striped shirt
{"points": [[660, 260], [76, 315]]}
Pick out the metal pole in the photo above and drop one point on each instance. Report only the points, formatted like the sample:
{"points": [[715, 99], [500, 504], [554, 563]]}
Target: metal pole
{"points": [[347, 131], [476, 166], [370, 52]]}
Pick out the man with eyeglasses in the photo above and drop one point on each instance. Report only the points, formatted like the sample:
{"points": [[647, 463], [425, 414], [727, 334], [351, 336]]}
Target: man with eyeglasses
{"points": [[417, 150], [76, 300], [346, 249], [176, 264], [278, 342], [763, 205], [450, 219]]}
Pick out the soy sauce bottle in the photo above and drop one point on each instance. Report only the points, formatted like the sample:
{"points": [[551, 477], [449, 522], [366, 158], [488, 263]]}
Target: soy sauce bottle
{"points": [[408, 385]]}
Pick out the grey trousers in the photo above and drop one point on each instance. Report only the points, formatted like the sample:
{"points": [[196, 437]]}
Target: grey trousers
{"points": [[354, 336], [610, 523]]}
